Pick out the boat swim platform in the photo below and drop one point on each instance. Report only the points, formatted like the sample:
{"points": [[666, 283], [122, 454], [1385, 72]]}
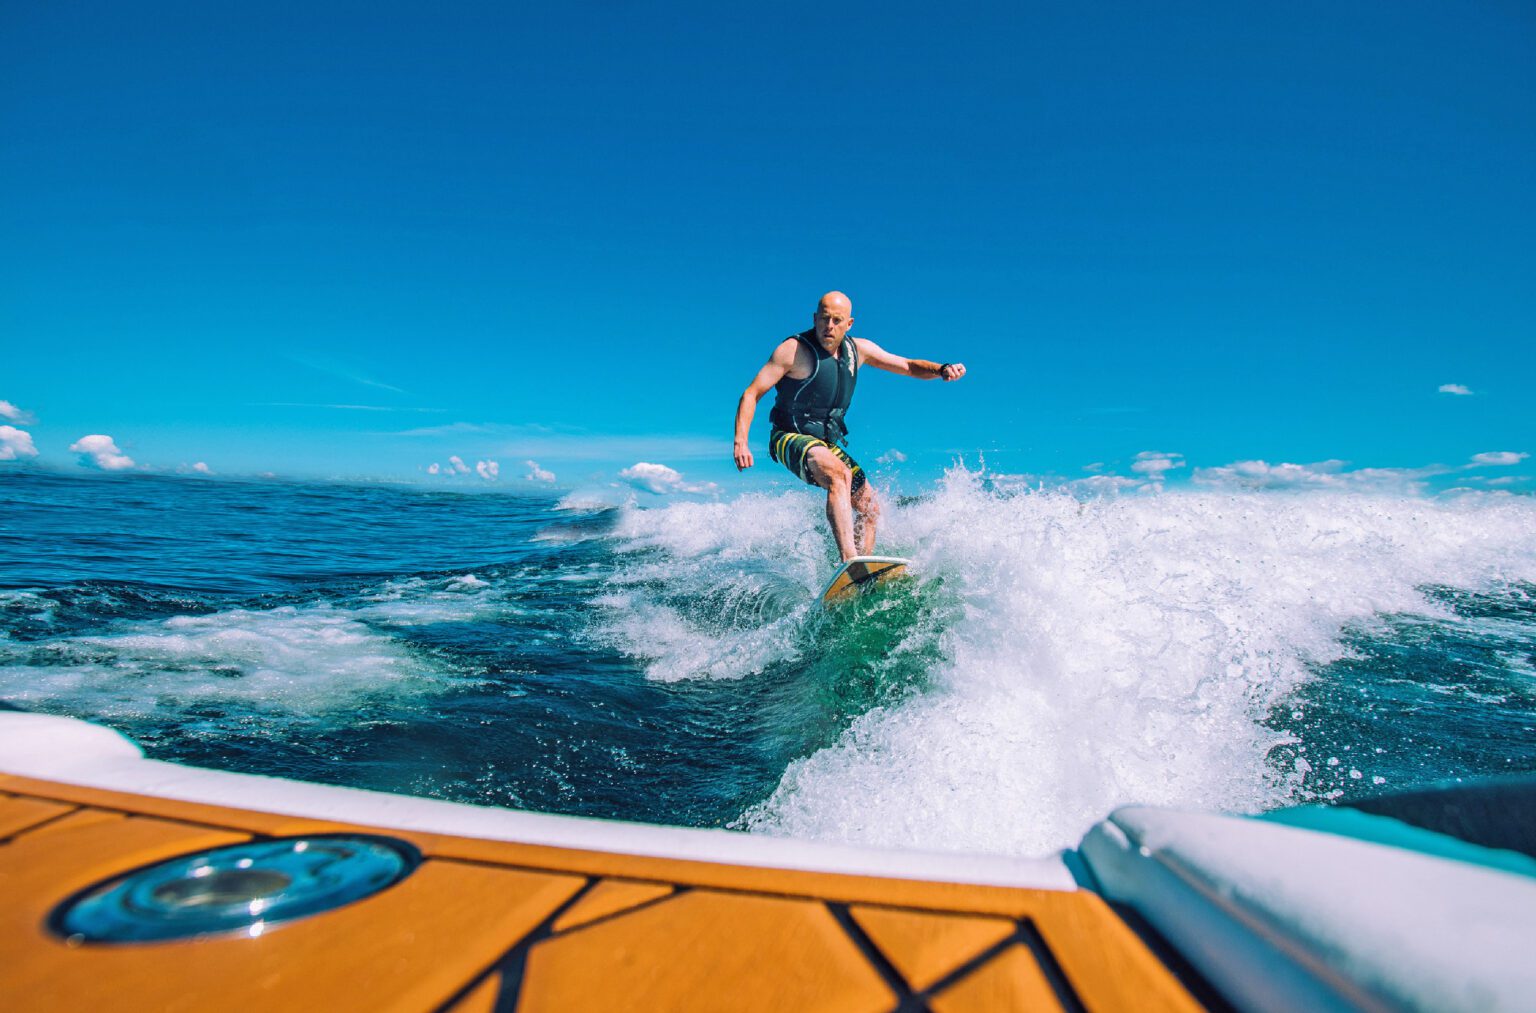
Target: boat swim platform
{"points": [[485, 925], [132, 884], [480, 925]]}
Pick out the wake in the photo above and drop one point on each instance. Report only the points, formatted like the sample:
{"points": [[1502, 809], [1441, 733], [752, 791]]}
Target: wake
{"points": [[1080, 655]]}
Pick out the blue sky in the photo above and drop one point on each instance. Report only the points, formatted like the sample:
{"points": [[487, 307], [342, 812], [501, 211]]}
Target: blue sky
{"points": [[358, 240]]}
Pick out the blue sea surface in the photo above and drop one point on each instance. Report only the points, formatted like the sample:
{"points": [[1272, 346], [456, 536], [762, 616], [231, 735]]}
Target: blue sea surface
{"points": [[668, 665]]}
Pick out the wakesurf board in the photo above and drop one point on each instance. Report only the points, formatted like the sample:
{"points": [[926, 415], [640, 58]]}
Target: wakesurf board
{"points": [[860, 574]]}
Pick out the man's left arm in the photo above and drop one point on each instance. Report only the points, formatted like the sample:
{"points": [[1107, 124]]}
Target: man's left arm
{"points": [[922, 369]]}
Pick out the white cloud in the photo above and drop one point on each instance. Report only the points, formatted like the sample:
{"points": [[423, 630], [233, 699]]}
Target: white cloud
{"points": [[15, 444], [97, 451], [488, 469], [892, 456], [1499, 457], [1330, 474], [1455, 388], [202, 468], [538, 474], [660, 479], [1095, 466], [11, 413], [657, 478], [1105, 483], [1153, 463], [1094, 485], [1262, 474]]}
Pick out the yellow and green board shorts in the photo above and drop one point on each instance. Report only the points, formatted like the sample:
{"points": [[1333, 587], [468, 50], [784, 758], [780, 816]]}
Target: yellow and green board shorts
{"points": [[793, 450]]}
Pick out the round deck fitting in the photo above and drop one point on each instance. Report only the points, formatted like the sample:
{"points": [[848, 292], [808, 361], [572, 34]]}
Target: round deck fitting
{"points": [[243, 889]]}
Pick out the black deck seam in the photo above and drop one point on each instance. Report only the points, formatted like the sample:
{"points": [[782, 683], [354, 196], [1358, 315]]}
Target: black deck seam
{"points": [[1054, 975], [966, 969], [745, 891], [29, 828], [677, 891], [906, 999], [204, 824], [514, 962], [497, 964]]}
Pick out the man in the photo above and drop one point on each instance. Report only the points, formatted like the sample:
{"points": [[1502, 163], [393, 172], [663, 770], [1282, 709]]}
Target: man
{"points": [[814, 373]]}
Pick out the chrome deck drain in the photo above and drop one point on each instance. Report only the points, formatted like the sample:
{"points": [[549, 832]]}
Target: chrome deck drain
{"points": [[243, 889]]}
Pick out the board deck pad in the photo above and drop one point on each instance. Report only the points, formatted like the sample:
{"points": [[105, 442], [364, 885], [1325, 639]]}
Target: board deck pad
{"points": [[860, 574]]}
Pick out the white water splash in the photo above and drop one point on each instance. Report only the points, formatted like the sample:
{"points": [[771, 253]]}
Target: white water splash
{"points": [[298, 663], [709, 590], [418, 601], [1110, 651]]}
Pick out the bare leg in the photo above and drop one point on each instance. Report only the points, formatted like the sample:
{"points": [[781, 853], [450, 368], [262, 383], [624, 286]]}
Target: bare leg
{"points": [[867, 506], [833, 475]]}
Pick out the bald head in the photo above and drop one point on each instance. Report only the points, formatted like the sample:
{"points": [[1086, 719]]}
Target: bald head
{"points": [[835, 302], [834, 315]]}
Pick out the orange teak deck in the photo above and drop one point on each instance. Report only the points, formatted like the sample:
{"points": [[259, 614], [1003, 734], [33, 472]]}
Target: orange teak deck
{"points": [[487, 925]]}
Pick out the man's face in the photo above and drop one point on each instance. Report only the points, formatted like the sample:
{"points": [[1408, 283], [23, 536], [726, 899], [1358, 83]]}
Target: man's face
{"points": [[833, 319]]}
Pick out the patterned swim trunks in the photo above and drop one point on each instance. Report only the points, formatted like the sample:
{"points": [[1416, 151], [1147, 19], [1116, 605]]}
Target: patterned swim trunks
{"points": [[793, 450]]}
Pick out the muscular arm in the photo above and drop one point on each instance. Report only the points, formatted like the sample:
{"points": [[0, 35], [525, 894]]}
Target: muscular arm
{"points": [[779, 363], [922, 369]]}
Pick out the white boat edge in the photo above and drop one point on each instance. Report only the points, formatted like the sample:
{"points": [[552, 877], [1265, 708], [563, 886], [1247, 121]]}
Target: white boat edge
{"points": [[78, 752]]}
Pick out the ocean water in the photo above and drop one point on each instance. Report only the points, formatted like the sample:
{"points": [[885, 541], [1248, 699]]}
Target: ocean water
{"points": [[1052, 657]]}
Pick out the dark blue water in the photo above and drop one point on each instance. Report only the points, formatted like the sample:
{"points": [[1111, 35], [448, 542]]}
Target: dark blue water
{"points": [[429, 643], [666, 665]]}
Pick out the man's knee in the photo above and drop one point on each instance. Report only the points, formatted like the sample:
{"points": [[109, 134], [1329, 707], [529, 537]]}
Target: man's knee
{"points": [[865, 501], [830, 469]]}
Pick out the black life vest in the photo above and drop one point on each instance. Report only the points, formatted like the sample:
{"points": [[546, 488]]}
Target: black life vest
{"points": [[816, 405]]}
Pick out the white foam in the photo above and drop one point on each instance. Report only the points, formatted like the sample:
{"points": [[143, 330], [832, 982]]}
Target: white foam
{"points": [[709, 590], [589, 500], [419, 601], [673, 645], [296, 662], [1107, 652], [28, 604]]}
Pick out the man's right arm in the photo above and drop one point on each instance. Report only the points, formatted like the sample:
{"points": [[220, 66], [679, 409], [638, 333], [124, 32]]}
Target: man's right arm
{"points": [[779, 363]]}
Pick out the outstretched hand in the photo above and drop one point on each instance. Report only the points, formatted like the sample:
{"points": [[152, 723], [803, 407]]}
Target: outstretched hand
{"points": [[951, 371]]}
